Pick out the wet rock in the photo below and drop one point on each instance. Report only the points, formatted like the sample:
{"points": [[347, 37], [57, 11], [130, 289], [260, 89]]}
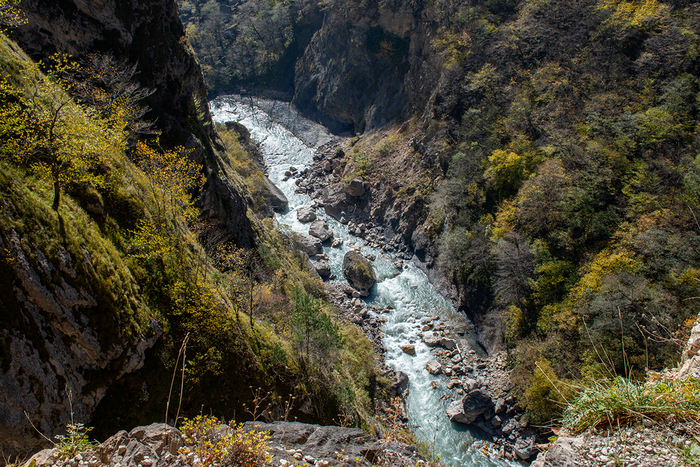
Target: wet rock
{"points": [[319, 229], [473, 404], [306, 214], [334, 199], [358, 271], [456, 414], [438, 341], [433, 367], [400, 385], [308, 244], [355, 188], [323, 268], [336, 242], [276, 197], [409, 349]]}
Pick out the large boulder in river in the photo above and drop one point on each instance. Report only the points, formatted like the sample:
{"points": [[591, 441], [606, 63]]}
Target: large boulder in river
{"points": [[308, 244], [334, 199], [319, 229], [306, 214], [323, 268], [358, 271], [444, 342], [355, 188], [473, 404], [276, 197]]}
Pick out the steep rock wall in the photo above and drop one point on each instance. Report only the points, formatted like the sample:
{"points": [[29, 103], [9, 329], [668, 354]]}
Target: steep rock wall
{"points": [[362, 86], [63, 340], [61, 343], [150, 34]]}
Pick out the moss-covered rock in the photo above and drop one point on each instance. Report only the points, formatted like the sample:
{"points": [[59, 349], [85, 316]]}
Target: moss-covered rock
{"points": [[358, 271]]}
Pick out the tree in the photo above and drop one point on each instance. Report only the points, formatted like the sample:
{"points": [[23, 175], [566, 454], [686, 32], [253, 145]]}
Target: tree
{"points": [[108, 85], [172, 179], [9, 15], [43, 127], [315, 333]]}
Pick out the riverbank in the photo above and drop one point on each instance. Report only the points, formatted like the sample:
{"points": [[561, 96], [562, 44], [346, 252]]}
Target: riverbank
{"points": [[465, 370]]}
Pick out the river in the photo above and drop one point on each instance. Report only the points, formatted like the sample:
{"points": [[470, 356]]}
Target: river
{"points": [[408, 292]]}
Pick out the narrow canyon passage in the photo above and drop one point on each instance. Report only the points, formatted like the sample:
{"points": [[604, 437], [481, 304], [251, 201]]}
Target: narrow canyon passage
{"points": [[288, 140]]}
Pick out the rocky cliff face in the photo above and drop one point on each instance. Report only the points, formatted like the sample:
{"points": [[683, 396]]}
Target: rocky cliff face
{"points": [[65, 336], [150, 34], [61, 343], [363, 86]]}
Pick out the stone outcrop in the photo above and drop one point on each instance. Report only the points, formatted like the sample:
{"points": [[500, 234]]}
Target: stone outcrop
{"points": [[306, 214], [290, 443], [65, 345], [319, 229], [150, 445], [332, 445], [358, 271]]}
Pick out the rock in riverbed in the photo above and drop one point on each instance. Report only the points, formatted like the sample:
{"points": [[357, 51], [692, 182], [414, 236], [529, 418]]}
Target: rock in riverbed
{"points": [[358, 271], [319, 229], [306, 214], [433, 367], [470, 407], [308, 244]]}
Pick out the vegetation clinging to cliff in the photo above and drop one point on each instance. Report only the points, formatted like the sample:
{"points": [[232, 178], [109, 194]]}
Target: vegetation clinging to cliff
{"points": [[127, 224]]}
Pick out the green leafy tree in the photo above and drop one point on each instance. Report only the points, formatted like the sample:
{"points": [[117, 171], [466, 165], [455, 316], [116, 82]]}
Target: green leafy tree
{"points": [[45, 129], [315, 333]]}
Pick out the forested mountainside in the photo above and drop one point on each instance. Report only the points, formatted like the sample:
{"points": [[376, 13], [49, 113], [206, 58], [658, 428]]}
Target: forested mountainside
{"points": [[135, 237], [548, 151]]}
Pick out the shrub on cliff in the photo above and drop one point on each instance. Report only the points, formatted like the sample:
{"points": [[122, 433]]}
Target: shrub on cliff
{"points": [[208, 443]]}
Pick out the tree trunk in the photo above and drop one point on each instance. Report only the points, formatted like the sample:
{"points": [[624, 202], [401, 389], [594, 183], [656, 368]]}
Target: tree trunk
{"points": [[56, 195]]}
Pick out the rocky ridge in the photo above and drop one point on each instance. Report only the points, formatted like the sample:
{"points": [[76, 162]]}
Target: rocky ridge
{"points": [[290, 443]]}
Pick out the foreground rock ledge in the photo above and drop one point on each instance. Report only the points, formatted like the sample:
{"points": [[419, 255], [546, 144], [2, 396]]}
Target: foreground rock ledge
{"points": [[290, 442]]}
